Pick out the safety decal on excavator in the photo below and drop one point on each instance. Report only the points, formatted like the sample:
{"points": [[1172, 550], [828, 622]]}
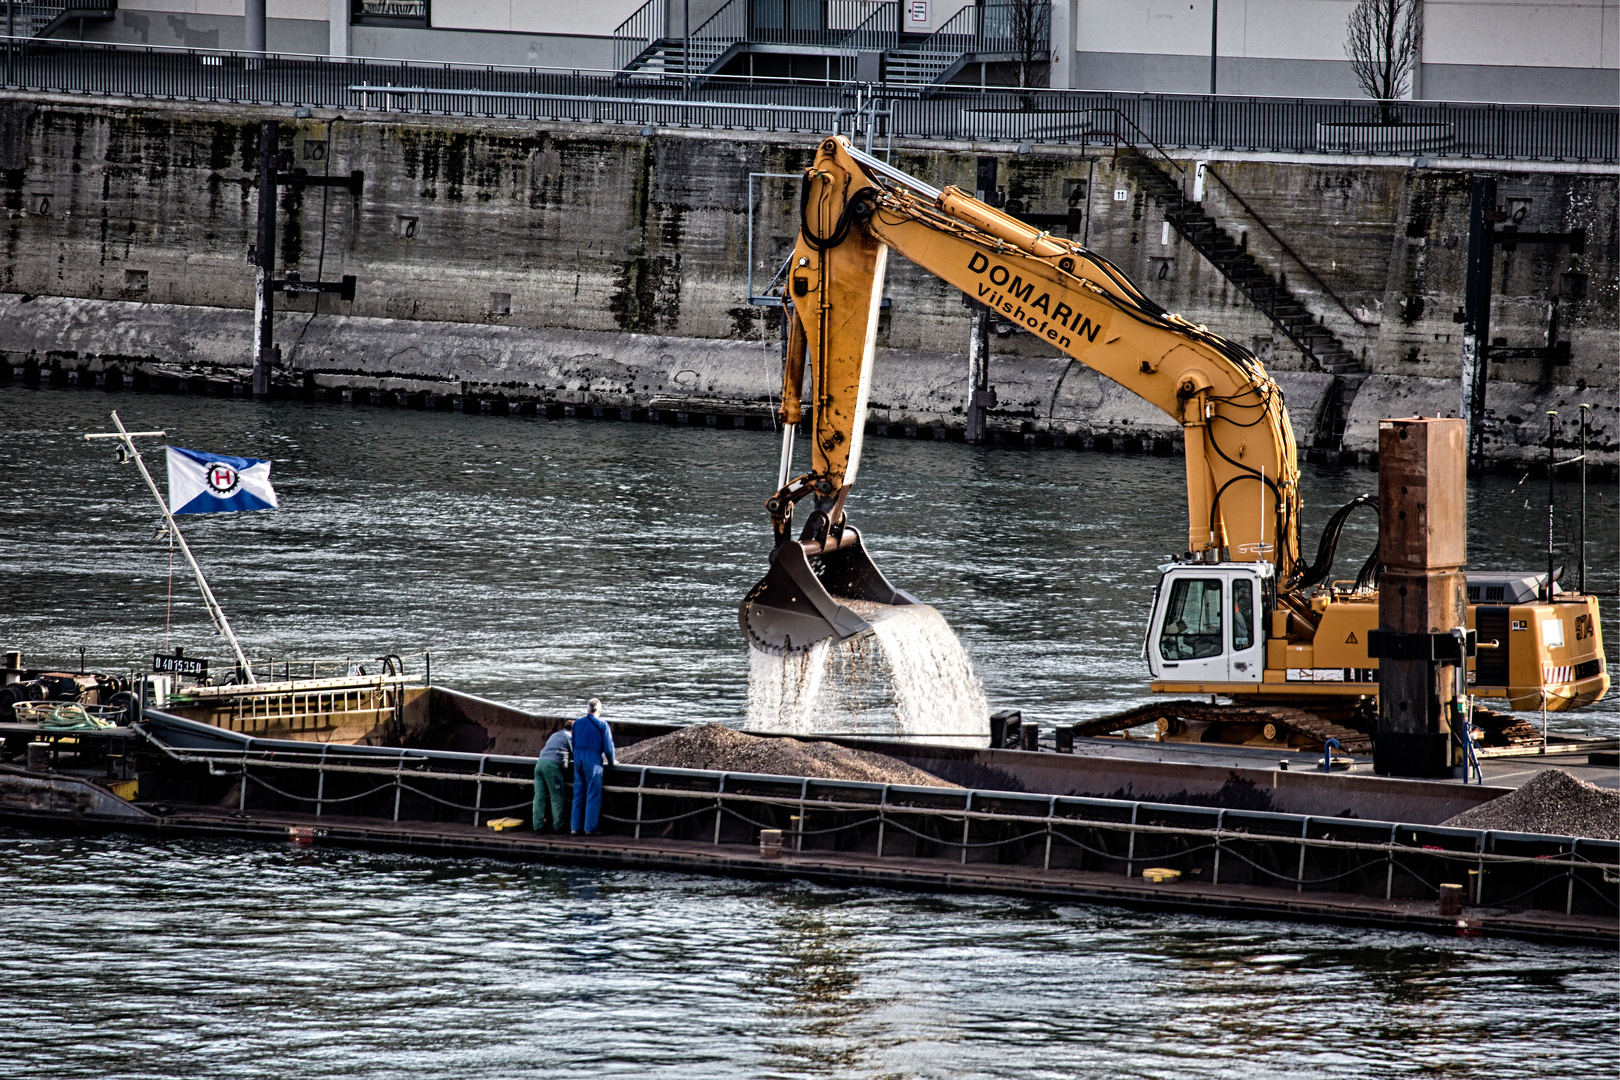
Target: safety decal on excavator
{"points": [[1351, 640], [1009, 294], [1350, 675]]}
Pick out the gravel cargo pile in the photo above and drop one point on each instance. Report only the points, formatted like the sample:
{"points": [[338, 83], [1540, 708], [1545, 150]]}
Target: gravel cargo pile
{"points": [[717, 747], [1553, 802]]}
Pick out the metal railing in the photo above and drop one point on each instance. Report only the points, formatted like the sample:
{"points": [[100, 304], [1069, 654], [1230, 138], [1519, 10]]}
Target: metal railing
{"points": [[641, 31], [1009, 28], [1071, 117], [1014, 30], [941, 49], [716, 35], [300, 710], [878, 31], [307, 695], [814, 22], [1287, 249], [939, 828]]}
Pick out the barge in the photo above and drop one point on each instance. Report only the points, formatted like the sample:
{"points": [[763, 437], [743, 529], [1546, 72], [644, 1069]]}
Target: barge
{"points": [[444, 773]]}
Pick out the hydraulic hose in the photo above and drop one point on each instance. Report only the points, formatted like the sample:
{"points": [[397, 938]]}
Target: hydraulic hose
{"points": [[841, 228], [1327, 548]]}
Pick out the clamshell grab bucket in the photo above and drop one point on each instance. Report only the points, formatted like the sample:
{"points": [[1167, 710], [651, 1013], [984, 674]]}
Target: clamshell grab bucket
{"points": [[797, 602]]}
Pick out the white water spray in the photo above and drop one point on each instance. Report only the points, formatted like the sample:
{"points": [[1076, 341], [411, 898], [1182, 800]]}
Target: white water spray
{"points": [[783, 690], [909, 678]]}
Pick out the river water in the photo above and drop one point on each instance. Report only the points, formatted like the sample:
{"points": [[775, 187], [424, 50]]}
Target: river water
{"points": [[545, 562]]}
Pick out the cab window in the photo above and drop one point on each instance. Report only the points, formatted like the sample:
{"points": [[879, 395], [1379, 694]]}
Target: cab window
{"points": [[1242, 616], [1192, 620]]}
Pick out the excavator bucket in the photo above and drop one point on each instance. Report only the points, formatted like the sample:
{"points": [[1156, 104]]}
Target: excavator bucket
{"points": [[800, 602]]}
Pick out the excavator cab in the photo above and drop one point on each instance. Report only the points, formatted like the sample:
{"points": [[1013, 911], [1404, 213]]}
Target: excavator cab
{"points": [[1208, 622]]}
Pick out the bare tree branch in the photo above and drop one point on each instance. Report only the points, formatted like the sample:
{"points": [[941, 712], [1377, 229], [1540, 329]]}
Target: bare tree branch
{"points": [[1029, 27], [1384, 40]]}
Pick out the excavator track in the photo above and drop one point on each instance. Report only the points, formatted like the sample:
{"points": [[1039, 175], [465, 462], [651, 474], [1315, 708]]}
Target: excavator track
{"points": [[1500, 729], [1276, 723]]}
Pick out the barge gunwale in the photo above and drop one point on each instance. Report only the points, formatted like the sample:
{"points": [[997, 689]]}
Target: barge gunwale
{"points": [[1007, 840]]}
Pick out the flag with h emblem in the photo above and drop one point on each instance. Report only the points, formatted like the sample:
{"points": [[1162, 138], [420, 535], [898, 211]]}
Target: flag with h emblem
{"points": [[202, 483]]}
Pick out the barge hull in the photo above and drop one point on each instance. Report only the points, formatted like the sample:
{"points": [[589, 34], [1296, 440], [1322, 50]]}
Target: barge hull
{"points": [[196, 780], [846, 870]]}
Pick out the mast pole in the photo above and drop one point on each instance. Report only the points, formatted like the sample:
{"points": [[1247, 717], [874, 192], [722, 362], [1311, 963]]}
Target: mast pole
{"points": [[1582, 460], [1552, 489], [215, 612]]}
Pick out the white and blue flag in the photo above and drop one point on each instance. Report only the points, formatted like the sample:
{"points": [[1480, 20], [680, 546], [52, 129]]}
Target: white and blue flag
{"points": [[213, 483]]}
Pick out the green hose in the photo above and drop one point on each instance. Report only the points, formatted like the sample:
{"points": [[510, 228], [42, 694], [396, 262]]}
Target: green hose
{"points": [[62, 717]]}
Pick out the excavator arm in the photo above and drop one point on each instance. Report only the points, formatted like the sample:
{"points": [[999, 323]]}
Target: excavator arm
{"points": [[1243, 499]]}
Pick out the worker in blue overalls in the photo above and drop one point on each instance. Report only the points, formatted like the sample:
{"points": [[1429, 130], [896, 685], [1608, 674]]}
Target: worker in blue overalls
{"points": [[593, 749]]}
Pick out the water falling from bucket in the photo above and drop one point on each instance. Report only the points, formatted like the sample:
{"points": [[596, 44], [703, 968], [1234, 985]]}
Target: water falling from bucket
{"points": [[909, 678]]}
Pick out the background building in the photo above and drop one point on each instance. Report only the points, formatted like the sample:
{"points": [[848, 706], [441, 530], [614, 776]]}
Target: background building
{"points": [[1551, 51], [1563, 51]]}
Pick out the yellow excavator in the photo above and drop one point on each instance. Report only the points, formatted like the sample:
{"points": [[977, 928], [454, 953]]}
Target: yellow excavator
{"points": [[1241, 614]]}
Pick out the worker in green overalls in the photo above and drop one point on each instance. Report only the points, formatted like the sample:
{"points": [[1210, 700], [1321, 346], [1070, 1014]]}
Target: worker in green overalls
{"points": [[550, 771]]}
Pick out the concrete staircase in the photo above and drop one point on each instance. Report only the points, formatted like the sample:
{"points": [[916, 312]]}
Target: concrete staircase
{"points": [[667, 57], [645, 43], [1270, 294], [916, 67], [43, 20]]}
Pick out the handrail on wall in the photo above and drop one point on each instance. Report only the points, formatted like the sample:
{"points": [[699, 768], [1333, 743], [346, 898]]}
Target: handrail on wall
{"points": [[1210, 171]]}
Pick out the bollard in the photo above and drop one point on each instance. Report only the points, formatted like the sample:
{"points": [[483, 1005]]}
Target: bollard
{"points": [[1032, 736], [1451, 899], [770, 843], [39, 756], [1063, 738], [1004, 729]]}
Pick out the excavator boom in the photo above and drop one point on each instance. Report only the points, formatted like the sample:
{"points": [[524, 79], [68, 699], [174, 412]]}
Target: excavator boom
{"points": [[1241, 613], [1242, 473]]}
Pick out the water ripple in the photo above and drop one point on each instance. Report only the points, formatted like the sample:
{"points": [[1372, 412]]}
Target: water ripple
{"points": [[141, 960]]}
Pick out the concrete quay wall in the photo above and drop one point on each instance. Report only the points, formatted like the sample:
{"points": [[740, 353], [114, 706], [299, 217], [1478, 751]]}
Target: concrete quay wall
{"points": [[578, 229], [114, 345]]}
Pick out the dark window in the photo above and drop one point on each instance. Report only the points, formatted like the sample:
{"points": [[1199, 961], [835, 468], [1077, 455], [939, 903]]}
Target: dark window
{"points": [[1192, 620], [1491, 627], [1268, 604], [1242, 616], [389, 12], [780, 20]]}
